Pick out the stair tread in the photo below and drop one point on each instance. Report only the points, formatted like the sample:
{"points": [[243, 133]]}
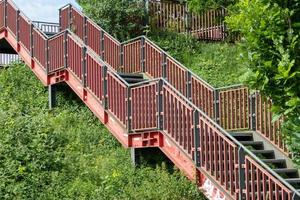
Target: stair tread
{"points": [[282, 170], [262, 151], [293, 180], [131, 75], [241, 134], [274, 160], [252, 142]]}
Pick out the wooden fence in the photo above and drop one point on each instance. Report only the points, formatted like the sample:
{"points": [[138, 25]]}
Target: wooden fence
{"points": [[208, 25]]}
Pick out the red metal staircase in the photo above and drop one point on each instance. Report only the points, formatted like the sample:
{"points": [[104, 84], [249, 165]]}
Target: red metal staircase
{"points": [[174, 110]]}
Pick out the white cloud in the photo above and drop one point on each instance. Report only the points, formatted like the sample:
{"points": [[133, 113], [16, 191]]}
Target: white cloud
{"points": [[42, 10]]}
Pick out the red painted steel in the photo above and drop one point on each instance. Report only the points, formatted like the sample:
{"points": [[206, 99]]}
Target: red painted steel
{"points": [[266, 127], [94, 76], [56, 53], [153, 61], [64, 18], [94, 37], [2, 13], [75, 57], [112, 50], [219, 156], [132, 57], [234, 108], [39, 48], [178, 119], [261, 185], [202, 96], [77, 23], [176, 75], [144, 107], [12, 18], [117, 97], [24, 31]]}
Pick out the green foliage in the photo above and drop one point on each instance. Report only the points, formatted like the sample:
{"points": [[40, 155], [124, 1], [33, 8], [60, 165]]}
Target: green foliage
{"points": [[66, 153], [271, 31], [122, 18], [203, 5], [220, 64]]}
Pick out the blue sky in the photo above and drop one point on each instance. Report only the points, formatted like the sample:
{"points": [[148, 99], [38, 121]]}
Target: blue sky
{"points": [[42, 10]]}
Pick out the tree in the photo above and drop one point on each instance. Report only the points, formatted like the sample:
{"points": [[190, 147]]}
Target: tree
{"points": [[202, 5], [270, 32], [122, 18]]}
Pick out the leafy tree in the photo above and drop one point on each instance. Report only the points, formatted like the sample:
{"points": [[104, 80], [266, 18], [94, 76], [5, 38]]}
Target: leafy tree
{"points": [[123, 18], [202, 5], [271, 31]]}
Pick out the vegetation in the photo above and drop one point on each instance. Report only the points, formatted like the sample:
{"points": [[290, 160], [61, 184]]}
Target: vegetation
{"points": [[66, 153], [271, 32], [220, 64], [124, 19], [202, 5]]}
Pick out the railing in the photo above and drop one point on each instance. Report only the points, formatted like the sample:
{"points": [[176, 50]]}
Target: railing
{"points": [[213, 149], [6, 59], [48, 28]]}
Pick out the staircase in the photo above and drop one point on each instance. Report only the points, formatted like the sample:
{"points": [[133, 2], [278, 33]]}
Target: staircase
{"points": [[132, 78]]}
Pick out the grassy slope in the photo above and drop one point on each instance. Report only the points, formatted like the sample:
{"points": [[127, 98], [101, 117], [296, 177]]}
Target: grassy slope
{"points": [[66, 153], [220, 64]]}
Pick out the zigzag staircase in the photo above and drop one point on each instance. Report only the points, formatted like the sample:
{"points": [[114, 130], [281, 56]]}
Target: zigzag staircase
{"points": [[148, 99]]}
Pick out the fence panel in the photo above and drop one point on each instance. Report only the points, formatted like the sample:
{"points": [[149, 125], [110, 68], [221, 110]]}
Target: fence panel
{"points": [[265, 126], [144, 107], [12, 18], [234, 108], [178, 119], [176, 75], [132, 57], [64, 18], [260, 184], [117, 97], [56, 53], [94, 37], [202, 96], [94, 76], [77, 23], [25, 31], [218, 156], [153, 61], [2, 13], [47, 27], [6, 59], [75, 57], [39, 48], [112, 50]]}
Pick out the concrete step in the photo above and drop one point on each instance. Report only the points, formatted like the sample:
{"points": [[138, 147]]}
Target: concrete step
{"points": [[258, 145], [291, 173], [281, 163], [128, 75], [265, 153], [242, 136]]}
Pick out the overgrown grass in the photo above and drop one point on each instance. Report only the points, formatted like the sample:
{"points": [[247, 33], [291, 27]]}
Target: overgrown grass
{"points": [[220, 64], [67, 153]]}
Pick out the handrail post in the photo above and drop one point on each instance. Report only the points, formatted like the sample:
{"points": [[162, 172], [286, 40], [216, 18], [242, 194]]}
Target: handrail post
{"points": [[18, 26], [143, 55], [59, 11], [189, 85], [104, 81], [66, 49], [241, 167], [5, 13], [47, 56], [164, 66], [217, 106], [252, 114], [122, 57], [129, 114], [196, 125], [85, 31], [102, 45], [160, 103], [84, 49], [70, 16], [31, 40]]}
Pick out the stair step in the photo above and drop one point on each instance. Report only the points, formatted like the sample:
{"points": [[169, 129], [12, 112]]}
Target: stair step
{"points": [[277, 162], [133, 80], [258, 145], [265, 153], [243, 136], [291, 173], [293, 180], [128, 75]]}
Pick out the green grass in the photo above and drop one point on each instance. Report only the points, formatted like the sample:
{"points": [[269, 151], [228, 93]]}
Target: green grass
{"points": [[67, 153], [220, 64]]}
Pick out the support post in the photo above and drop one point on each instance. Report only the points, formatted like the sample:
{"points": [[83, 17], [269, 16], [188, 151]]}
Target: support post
{"points": [[85, 31], [164, 66], [189, 85], [31, 40], [70, 17], [66, 49], [52, 96], [160, 119], [47, 57], [102, 45], [252, 114], [84, 66], [197, 138], [217, 106], [135, 157], [18, 26], [60, 28], [122, 57], [143, 54], [5, 13], [129, 114], [104, 80], [241, 155]]}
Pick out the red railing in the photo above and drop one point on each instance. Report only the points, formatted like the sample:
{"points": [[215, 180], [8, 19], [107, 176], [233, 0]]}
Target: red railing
{"points": [[153, 60], [24, 31], [56, 52], [64, 14], [75, 57], [260, 184], [112, 51], [94, 37], [176, 75], [265, 125], [132, 57], [144, 107], [2, 13], [12, 18], [77, 23], [39, 47], [94, 76], [234, 108]]}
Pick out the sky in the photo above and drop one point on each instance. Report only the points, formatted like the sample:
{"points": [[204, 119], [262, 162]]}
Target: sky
{"points": [[42, 10]]}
